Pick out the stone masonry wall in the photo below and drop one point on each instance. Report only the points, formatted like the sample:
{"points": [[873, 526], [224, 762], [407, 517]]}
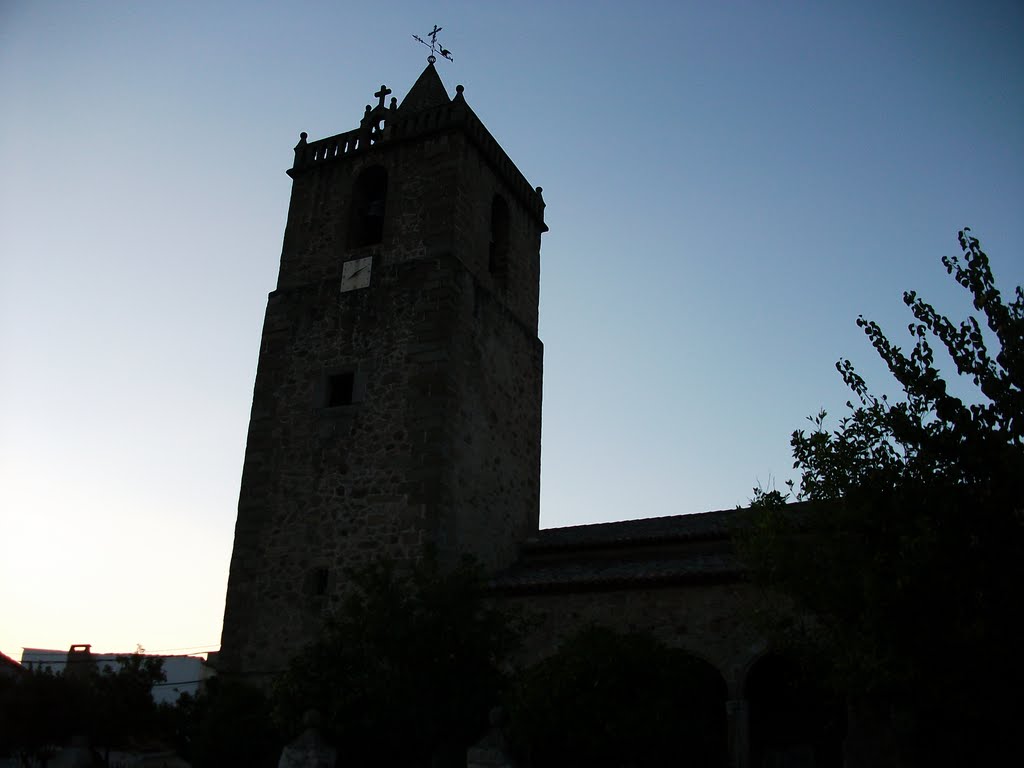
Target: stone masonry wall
{"points": [[421, 460], [715, 622], [496, 426], [439, 201]]}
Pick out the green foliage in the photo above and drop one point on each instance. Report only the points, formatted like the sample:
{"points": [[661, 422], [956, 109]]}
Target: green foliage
{"points": [[606, 699], [789, 711], [111, 707], [909, 548], [931, 436], [410, 653], [122, 712], [39, 712], [227, 724]]}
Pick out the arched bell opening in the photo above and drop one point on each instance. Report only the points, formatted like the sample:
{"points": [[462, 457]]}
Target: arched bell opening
{"points": [[369, 202]]}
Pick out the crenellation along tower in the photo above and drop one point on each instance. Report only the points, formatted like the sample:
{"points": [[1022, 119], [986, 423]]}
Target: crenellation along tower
{"points": [[397, 403]]}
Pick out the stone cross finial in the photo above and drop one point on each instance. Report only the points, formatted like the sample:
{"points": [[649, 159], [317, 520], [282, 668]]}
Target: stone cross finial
{"points": [[382, 94]]}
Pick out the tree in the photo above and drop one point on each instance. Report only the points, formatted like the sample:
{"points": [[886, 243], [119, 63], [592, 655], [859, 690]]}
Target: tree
{"points": [[121, 712], [406, 671], [112, 707], [228, 723], [39, 712], [909, 549]]}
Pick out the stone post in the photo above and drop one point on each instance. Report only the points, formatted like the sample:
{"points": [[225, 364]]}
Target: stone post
{"points": [[309, 750], [738, 717], [491, 751]]}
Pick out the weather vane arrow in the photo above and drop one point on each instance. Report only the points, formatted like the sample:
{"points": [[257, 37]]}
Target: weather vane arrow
{"points": [[434, 46]]}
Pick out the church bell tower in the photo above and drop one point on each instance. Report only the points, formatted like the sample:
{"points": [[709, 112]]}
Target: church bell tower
{"points": [[397, 403]]}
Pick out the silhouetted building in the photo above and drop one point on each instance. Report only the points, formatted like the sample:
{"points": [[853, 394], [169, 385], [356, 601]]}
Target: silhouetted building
{"points": [[398, 390], [397, 410], [184, 674], [9, 667]]}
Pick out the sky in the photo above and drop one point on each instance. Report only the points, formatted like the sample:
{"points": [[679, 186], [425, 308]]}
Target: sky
{"points": [[728, 186]]}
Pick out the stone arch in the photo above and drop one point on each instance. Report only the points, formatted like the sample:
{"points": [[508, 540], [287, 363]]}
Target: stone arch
{"points": [[792, 719], [740, 664], [610, 699], [368, 207]]}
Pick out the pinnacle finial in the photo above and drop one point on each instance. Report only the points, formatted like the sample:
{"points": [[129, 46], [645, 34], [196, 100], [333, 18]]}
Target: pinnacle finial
{"points": [[434, 46]]}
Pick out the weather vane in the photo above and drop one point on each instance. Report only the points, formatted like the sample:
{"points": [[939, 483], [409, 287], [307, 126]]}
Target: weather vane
{"points": [[434, 46]]}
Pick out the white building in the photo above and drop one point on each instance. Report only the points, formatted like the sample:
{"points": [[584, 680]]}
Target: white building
{"points": [[185, 674]]}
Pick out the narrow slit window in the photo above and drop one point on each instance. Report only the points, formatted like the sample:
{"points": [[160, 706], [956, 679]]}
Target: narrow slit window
{"points": [[497, 258]]}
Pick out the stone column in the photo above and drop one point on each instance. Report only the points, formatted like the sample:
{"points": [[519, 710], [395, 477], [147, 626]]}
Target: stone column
{"points": [[738, 715]]}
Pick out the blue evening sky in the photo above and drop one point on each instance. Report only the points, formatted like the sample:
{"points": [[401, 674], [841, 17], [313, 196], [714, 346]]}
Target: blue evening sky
{"points": [[728, 184]]}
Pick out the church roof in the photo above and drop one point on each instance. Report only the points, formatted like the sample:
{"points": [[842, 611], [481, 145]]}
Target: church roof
{"points": [[426, 93], [590, 574], [702, 525], [632, 553]]}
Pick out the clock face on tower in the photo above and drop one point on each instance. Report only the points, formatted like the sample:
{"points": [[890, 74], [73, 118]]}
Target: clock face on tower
{"points": [[356, 273]]}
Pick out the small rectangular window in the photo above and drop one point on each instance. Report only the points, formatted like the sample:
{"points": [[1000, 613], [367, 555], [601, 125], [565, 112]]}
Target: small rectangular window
{"points": [[317, 580], [340, 388]]}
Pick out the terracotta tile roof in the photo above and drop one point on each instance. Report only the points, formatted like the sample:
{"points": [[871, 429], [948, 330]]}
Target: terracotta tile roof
{"points": [[704, 525], [591, 575], [633, 553], [9, 666]]}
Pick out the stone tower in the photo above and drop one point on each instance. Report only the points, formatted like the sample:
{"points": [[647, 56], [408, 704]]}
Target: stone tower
{"points": [[397, 404]]}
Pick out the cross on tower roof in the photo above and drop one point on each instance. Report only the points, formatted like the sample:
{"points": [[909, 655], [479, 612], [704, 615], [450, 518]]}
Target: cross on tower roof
{"points": [[383, 92]]}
